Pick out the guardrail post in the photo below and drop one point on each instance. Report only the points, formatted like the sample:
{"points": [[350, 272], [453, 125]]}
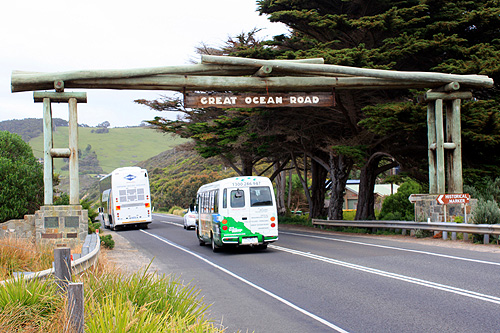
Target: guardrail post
{"points": [[486, 239], [62, 266], [75, 307]]}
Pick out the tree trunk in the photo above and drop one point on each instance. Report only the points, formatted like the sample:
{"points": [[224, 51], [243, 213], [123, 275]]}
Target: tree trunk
{"points": [[289, 202], [366, 197], [318, 190], [280, 192], [340, 167], [246, 166]]}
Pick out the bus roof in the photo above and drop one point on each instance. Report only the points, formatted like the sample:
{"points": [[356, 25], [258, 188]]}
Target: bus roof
{"points": [[124, 169], [245, 180]]}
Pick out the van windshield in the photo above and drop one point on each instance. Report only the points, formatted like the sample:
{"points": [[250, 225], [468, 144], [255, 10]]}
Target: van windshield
{"points": [[260, 196]]}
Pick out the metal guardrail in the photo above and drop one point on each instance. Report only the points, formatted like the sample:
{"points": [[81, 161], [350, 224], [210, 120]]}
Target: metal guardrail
{"points": [[486, 229], [90, 253]]}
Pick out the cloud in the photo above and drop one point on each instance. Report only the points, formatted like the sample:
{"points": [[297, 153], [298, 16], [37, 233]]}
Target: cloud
{"points": [[51, 36]]}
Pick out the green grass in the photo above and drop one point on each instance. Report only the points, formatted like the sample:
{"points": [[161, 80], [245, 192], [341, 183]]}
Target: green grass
{"points": [[141, 302], [118, 148]]}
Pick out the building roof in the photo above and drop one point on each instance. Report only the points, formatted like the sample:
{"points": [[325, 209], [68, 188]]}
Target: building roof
{"points": [[380, 189]]}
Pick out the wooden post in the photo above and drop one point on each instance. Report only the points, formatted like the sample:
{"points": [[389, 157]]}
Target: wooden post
{"points": [[440, 147], [47, 158], [75, 307], [72, 98], [431, 140], [73, 159], [62, 266], [456, 135]]}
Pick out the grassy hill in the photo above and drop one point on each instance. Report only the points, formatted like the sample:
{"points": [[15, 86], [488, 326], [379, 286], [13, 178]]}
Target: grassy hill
{"points": [[119, 147]]}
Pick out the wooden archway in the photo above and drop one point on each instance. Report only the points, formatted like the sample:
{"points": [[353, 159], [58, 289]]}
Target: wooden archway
{"points": [[221, 73]]}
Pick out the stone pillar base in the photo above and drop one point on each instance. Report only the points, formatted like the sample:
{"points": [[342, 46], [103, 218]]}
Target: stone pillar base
{"points": [[61, 225]]}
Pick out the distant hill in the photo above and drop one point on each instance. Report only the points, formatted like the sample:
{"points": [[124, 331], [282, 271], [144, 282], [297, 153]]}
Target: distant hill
{"points": [[29, 128], [118, 147]]}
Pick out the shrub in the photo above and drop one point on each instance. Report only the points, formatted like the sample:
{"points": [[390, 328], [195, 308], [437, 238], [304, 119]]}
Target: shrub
{"points": [[397, 206], [486, 212], [107, 241], [21, 178], [295, 219]]}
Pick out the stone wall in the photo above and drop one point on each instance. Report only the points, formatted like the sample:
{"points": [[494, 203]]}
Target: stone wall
{"points": [[426, 206], [24, 228]]}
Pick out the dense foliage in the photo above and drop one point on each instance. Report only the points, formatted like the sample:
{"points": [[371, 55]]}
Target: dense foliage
{"points": [[397, 206], [21, 178]]}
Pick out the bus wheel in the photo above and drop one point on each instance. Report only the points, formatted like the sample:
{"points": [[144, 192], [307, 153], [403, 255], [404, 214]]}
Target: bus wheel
{"points": [[261, 246], [202, 243], [215, 247]]}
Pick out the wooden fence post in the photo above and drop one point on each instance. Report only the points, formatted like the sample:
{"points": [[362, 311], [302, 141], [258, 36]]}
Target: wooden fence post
{"points": [[75, 307], [62, 266]]}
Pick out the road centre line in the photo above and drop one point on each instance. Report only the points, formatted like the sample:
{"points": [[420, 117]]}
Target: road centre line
{"points": [[251, 284], [395, 248], [425, 283]]}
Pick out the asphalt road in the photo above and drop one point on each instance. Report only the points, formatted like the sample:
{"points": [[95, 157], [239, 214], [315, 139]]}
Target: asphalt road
{"points": [[323, 282]]}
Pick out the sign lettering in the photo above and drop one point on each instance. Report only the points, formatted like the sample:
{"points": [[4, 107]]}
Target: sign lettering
{"points": [[270, 100], [459, 198]]}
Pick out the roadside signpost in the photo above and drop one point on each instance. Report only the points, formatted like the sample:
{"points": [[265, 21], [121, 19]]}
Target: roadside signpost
{"points": [[455, 198], [458, 198]]}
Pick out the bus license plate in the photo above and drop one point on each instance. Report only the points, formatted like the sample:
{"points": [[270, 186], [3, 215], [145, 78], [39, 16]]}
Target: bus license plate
{"points": [[249, 240]]}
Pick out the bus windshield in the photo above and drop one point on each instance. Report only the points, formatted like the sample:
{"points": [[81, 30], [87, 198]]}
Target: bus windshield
{"points": [[260, 196]]}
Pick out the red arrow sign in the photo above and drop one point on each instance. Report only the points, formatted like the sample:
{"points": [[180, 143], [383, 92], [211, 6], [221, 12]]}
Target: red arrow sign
{"points": [[457, 198]]}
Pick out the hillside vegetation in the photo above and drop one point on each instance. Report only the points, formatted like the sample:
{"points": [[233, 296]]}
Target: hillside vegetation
{"points": [[119, 147]]}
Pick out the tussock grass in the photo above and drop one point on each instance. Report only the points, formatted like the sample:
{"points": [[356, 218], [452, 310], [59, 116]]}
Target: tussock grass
{"points": [[114, 302], [21, 255]]}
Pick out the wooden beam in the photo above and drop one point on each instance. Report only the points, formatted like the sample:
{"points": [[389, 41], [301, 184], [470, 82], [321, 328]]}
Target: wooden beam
{"points": [[60, 97], [230, 83], [443, 78], [433, 95], [264, 71], [60, 152]]}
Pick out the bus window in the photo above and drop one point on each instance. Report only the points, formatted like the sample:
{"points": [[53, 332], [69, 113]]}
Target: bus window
{"points": [[260, 196], [131, 195], [123, 195], [224, 198], [140, 194], [216, 201], [237, 199]]}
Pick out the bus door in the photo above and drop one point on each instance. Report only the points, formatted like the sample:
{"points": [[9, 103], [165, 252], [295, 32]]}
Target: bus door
{"points": [[262, 211], [237, 205]]}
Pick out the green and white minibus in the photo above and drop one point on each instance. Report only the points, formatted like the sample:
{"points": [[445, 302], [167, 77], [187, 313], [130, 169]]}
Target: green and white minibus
{"points": [[237, 211]]}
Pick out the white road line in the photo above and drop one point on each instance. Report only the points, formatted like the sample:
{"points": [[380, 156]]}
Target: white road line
{"points": [[395, 248], [429, 284], [282, 300], [172, 223]]}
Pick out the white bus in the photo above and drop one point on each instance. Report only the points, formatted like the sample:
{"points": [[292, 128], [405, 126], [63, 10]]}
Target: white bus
{"points": [[237, 211], [125, 198]]}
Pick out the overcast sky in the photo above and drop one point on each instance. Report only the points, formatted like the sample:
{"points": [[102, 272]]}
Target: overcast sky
{"points": [[53, 36]]}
